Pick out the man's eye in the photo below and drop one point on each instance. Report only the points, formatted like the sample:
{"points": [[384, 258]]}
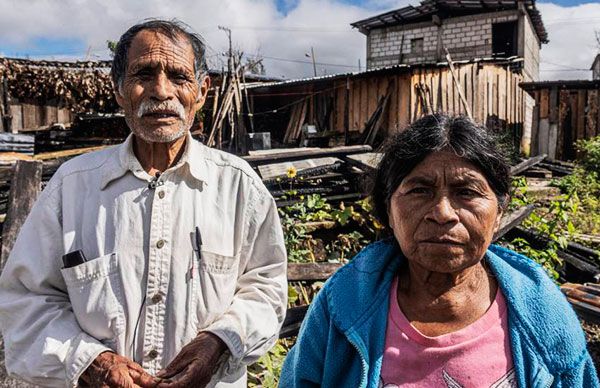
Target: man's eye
{"points": [[180, 77]]}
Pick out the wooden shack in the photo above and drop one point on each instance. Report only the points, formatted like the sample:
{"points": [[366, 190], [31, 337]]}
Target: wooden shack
{"points": [[377, 102], [565, 111]]}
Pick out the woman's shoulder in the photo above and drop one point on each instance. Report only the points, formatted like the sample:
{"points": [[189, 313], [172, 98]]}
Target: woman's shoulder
{"points": [[539, 310], [363, 281]]}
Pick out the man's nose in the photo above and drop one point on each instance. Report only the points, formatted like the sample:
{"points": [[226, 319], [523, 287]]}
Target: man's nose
{"points": [[162, 88], [442, 211]]}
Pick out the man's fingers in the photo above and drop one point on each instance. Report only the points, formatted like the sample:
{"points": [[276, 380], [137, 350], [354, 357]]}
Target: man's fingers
{"points": [[144, 379], [174, 368]]}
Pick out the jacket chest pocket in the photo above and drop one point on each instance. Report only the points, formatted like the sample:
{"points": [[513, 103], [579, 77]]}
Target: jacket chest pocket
{"points": [[96, 297], [217, 285]]}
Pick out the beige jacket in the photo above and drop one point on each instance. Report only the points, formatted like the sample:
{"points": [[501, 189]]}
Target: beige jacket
{"points": [[144, 291]]}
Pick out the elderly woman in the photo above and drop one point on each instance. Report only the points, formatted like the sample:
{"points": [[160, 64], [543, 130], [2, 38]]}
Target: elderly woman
{"points": [[437, 305]]}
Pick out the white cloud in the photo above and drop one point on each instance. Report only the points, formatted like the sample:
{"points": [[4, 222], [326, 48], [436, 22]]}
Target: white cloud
{"points": [[259, 27], [572, 40]]}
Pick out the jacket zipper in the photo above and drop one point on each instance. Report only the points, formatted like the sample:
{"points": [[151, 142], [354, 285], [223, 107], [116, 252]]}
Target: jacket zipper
{"points": [[363, 362]]}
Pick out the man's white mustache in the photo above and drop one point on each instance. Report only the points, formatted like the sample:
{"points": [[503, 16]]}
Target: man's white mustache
{"points": [[149, 106]]}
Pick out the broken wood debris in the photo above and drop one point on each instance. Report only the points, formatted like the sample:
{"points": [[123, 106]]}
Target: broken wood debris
{"points": [[585, 299]]}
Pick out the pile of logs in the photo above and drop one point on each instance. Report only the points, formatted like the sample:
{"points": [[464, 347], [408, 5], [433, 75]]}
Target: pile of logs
{"points": [[228, 130]]}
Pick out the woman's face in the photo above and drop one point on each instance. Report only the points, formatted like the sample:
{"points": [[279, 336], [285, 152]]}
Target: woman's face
{"points": [[444, 213]]}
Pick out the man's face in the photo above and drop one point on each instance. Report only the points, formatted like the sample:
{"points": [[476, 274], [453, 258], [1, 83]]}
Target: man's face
{"points": [[160, 94]]}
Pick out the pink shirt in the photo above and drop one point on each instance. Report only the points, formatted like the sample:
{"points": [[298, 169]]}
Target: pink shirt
{"points": [[478, 355]]}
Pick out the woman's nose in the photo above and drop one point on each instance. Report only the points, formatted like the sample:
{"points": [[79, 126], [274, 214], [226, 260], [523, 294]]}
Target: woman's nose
{"points": [[442, 211]]}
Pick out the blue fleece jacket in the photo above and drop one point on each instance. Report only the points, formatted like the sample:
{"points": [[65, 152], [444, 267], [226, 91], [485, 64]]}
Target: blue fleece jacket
{"points": [[341, 342]]}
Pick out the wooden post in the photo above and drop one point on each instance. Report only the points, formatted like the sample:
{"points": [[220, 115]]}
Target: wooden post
{"points": [[347, 113], [457, 85], [24, 189]]}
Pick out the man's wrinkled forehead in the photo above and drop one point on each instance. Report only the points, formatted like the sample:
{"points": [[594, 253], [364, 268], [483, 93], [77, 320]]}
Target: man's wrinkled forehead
{"points": [[153, 47]]}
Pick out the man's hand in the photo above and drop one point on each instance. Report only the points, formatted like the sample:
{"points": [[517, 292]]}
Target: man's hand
{"points": [[195, 364], [110, 370]]}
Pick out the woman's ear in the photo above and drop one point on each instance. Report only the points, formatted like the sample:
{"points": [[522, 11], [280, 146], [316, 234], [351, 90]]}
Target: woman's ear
{"points": [[502, 205]]}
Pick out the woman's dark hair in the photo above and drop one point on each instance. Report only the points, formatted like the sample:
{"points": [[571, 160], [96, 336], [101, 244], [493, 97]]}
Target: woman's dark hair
{"points": [[173, 29], [403, 151]]}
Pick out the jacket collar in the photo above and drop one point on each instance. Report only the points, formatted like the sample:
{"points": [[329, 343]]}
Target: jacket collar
{"points": [[124, 161]]}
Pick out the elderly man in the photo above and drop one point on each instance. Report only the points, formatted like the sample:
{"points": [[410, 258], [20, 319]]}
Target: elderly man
{"points": [[175, 273]]}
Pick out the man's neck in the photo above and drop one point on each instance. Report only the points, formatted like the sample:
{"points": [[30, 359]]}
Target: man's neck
{"points": [[157, 157]]}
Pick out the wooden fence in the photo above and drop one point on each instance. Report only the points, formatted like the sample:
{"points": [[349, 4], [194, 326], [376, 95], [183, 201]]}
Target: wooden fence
{"points": [[565, 111], [387, 100]]}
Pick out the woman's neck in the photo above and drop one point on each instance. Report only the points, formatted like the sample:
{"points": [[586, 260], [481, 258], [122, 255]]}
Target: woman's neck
{"points": [[440, 303]]}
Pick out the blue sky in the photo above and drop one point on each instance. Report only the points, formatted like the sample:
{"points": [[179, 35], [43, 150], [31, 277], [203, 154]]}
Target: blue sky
{"points": [[73, 46], [280, 31]]}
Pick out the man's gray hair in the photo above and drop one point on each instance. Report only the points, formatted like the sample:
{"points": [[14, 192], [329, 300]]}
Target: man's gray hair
{"points": [[173, 29]]}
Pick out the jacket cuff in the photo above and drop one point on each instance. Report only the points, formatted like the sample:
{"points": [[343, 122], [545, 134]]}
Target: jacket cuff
{"points": [[83, 352], [232, 339]]}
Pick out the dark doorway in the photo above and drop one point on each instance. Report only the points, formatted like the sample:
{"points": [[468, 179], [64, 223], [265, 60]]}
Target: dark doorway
{"points": [[504, 39]]}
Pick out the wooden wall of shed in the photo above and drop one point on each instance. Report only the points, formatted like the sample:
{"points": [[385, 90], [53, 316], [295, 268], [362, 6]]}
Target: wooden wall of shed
{"points": [[491, 92], [561, 118], [28, 116]]}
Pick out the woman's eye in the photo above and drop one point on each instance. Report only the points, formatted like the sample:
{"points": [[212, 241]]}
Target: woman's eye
{"points": [[419, 190], [468, 192]]}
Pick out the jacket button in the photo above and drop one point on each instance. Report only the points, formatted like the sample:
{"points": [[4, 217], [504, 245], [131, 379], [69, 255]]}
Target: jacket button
{"points": [[152, 354], [161, 194], [160, 244], [156, 298]]}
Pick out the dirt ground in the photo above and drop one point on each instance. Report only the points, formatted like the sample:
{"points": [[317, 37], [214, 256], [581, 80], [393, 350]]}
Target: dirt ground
{"points": [[592, 333]]}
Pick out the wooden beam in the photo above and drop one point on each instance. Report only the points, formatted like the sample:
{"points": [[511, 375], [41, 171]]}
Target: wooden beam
{"points": [[306, 154], [25, 186], [311, 271], [528, 163], [458, 86], [510, 220]]}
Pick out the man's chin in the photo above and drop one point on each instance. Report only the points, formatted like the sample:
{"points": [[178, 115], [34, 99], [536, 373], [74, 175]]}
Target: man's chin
{"points": [[160, 136]]}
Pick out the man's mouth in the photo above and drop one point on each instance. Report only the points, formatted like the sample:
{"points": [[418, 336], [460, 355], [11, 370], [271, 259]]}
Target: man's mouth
{"points": [[161, 115]]}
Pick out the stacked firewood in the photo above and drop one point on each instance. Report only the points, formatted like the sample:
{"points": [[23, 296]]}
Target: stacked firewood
{"points": [[79, 86]]}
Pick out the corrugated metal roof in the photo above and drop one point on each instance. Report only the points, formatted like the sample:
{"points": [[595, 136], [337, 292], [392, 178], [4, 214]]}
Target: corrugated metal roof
{"points": [[427, 8], [400, 67], [566, 84]]}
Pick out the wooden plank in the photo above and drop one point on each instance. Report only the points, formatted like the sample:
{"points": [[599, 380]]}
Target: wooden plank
{"points": [[364, 103], [29, 116], [444, 89], [311, 271], [553, 105], [581, 114], [502, 95], [544, 103], [298, 154], [355, 85], [404, 96], [526, 164], [25, 186], [16, 111], [64, 115], [393, 108], [512, 219], [592, 114]]}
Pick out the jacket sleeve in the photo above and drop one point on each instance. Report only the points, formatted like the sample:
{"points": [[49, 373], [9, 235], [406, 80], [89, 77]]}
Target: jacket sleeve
{"points": [[43, 342], [251, 324], [583, 375], [304, 364]]}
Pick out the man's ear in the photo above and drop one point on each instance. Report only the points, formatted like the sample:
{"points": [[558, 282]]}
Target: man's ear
{"points": [[202, 92], [118, 95]]}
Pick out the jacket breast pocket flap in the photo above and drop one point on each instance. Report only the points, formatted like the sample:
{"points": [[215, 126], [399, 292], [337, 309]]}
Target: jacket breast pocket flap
{"points": [[218, 264], [96, 296]]}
